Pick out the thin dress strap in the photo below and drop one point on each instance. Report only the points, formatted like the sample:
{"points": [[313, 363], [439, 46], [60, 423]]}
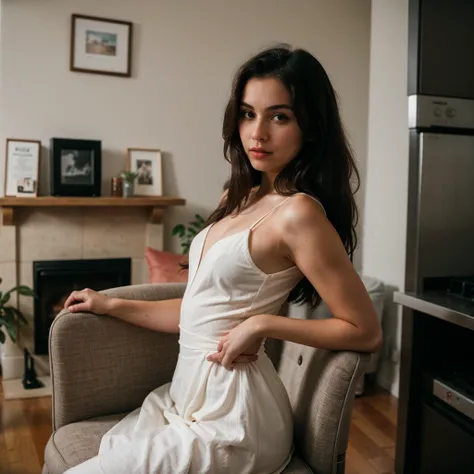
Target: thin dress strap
{"points": [[315, 200], [278, 205], [267, 214]]}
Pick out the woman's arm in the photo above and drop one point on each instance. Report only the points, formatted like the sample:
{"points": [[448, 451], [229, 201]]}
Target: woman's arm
{"points": [[331, 333], [160, 316], [311, 242]]}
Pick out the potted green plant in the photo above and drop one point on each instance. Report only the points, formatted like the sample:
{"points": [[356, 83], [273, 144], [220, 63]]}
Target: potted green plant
{"points": [[9, 316], [187, 233], [128, 182]]}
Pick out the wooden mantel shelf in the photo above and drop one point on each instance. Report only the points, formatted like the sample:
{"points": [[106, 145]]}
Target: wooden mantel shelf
{"points": [[157, 204]]}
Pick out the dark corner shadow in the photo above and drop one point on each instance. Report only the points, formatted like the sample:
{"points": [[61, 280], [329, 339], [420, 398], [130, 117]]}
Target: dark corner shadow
{"points": [[390, 311], [44, 172], [390, 328]]}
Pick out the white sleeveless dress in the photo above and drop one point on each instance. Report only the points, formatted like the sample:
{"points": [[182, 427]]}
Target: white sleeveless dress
{"points": [[210, 419]]}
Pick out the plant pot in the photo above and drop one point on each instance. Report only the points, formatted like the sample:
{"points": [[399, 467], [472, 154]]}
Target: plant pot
{"points": [[127, 189]]}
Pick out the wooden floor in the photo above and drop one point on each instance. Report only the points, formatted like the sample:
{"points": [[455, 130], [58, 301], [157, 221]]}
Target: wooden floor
{"points": [[25, 426], [372, 437]]}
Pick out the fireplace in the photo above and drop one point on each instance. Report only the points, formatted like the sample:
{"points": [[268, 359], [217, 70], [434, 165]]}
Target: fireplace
{"points": [[54, 280]]}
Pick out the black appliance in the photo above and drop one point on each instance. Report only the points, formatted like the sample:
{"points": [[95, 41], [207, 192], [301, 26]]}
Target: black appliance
{"points": [[462, 287], [447, 425], [441, 42]]}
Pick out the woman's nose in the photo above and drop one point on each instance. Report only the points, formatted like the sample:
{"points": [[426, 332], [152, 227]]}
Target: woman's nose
{"points": [[259, 131]]}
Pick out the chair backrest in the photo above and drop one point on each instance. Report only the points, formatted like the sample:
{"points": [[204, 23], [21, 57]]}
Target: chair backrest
{"points": [[321, 387]]}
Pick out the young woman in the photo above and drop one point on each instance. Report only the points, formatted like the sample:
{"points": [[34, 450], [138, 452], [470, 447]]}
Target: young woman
{"points": [[284, 230]]}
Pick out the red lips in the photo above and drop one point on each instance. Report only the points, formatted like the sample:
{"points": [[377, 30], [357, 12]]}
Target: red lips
{"points": [[259, 152]]}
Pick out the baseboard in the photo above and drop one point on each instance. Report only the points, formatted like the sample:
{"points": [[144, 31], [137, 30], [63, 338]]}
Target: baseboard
{"points": [[12, 366]]}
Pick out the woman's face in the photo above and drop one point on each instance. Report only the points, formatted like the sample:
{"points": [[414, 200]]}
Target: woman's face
{"points": [[268, 128]]}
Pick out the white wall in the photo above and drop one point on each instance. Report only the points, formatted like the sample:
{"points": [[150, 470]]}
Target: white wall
{"points": [[387, 168], [184, 56]]}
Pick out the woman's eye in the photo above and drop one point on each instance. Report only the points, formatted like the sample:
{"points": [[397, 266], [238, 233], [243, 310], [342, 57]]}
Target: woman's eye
{"points": [[281, 117], [246, 114]]}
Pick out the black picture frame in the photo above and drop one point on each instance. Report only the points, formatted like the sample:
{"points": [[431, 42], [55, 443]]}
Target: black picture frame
{"points": [[75, 167]]}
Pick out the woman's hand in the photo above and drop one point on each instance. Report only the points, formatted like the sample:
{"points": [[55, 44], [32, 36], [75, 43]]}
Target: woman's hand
{"points": [[241, 344], [87, 300]]}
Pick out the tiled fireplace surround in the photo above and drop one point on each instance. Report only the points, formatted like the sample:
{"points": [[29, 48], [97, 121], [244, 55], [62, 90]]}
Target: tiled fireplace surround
{"points": [[68, 234]]}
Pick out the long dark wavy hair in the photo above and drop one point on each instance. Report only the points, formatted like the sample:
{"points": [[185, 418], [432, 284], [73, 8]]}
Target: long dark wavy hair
{"points": [[324, 167]]}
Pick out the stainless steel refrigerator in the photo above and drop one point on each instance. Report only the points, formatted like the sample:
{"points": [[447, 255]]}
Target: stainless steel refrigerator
{"points": [[440, 226]]}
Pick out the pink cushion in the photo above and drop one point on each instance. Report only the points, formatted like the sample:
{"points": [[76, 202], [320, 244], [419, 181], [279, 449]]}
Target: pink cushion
{"points": [[163, 267]]}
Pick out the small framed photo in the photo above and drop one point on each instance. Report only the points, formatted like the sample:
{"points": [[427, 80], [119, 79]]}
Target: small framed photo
{"points": [[101, 45], [146, 163], [22, 167], [76, 167]]}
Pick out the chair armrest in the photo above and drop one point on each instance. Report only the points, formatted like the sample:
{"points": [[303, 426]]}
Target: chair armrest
{"points": [[321, 387], [101, 365]]}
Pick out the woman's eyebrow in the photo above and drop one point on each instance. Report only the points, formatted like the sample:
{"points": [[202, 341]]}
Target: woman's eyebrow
{"points": [[272, 107]]}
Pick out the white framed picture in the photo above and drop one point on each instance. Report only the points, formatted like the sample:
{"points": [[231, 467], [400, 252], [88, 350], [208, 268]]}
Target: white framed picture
{"points": [[146, 162], [22, 167], [101, 45]]}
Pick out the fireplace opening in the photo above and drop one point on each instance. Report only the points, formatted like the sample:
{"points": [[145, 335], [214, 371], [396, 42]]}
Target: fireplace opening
{"points": [[54, 280]]}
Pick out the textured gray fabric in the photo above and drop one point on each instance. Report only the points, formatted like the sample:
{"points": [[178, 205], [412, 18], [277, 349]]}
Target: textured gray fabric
{"points": [[321, 387], [101, 365], [297, 466], [77, 442]]}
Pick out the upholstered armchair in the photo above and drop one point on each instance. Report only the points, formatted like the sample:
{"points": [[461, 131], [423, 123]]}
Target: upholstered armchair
{"points": [[102, 368]]}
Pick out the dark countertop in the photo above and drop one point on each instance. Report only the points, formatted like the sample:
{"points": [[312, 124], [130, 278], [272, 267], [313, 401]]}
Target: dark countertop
{"points": [[440, 305]]}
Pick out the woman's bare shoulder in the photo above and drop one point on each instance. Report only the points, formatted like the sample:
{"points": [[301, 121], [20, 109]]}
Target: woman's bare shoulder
{"points": [[304, 226], [300, 208]]}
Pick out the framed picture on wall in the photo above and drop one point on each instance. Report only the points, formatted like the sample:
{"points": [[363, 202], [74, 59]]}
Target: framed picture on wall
{"points": [[76, 167], [147, 164], [101, 45], [22, 167]]}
